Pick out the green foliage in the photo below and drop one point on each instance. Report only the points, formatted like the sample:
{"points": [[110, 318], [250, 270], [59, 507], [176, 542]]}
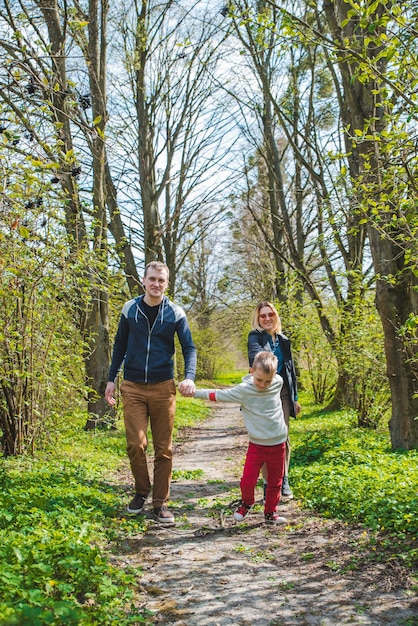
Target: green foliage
{"points": [[188, 474], [58, 516], [312, 353], [46, 284], [56, 520], [356, 353], [36, 315], [214, 354], [317, 367], [352, 474], [212, 357], [361, 354]]}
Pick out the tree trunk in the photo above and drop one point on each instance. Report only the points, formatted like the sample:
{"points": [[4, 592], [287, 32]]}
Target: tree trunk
{"points": [[394, 303], [117, 229], [97, 333], [97, 364]]}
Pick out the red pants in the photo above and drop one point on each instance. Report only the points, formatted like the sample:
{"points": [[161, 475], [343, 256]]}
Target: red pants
{"points": [[274, 458], [155, 404]]}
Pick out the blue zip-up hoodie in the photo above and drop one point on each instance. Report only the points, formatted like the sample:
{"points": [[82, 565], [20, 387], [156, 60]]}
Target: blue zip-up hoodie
{"points": [[148, 351]]}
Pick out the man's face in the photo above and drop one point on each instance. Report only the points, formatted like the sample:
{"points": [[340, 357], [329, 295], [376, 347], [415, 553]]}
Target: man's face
{"points": [[155, 283], [262, 380]]}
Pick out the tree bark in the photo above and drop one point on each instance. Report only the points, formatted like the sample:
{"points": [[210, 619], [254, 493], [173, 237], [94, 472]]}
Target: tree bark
{"points": [[395, 303], [97, 323]]}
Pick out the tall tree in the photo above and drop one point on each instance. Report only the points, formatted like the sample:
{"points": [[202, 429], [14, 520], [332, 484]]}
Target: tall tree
{"points": [[176, 137], [366, 39], [307, 232], [372, 48], [38, 47], [92, 41]]}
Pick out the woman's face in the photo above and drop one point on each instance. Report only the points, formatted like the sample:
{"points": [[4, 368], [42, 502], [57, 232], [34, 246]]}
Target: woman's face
{"points": [[267, 319]]}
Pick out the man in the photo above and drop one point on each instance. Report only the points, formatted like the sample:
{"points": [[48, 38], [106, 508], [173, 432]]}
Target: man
{"points": [[145, 343]]}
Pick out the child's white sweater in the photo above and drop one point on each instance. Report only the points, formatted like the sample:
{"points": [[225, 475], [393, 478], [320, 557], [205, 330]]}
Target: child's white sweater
{"points": [[262, 410]]}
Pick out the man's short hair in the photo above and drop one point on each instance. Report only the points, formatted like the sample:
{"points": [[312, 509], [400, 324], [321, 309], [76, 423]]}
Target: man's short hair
{"points": [[159, 266], [267, 361]]}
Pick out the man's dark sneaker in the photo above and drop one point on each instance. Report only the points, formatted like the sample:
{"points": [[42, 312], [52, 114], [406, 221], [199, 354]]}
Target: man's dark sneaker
{"points": [[242, 511], [164, 517], [137, 504], [274, 518], [286, 490]]}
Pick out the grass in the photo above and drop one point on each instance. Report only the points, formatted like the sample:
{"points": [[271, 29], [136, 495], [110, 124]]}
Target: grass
{"points": [[189, 413], [229, 378], [352, 474], [62, 513], [58, 513]]}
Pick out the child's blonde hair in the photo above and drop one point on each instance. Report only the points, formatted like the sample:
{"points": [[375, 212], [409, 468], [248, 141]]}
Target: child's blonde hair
{"points": [[267, 361]]}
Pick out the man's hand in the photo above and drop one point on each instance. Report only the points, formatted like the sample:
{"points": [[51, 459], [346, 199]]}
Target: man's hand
{"points": [[187, 388], [109, 391], [298, 408]]}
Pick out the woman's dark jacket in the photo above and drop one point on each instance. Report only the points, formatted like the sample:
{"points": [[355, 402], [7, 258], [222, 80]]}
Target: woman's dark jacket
{"points": [[260, 340]]}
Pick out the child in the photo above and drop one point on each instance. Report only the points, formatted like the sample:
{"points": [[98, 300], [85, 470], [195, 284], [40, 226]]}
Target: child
{"points": [[261, 405]]}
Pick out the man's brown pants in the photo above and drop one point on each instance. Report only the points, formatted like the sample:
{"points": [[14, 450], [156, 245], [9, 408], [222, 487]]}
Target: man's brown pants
{"points": [[151, 404]]}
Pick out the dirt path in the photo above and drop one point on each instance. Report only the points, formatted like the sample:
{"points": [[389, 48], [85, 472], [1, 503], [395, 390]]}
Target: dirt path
{"points": [[210, 571]]}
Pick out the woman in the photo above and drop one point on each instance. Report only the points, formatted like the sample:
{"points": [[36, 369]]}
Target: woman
{"points": [[267, 335]]}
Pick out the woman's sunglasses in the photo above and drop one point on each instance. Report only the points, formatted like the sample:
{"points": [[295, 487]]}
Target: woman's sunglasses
{"points": [[264, 316]]}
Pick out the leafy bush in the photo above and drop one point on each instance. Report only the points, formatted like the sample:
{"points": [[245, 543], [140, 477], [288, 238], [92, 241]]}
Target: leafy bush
{"points": [[313, 355], [37, 335], [213, 356], [361, 351]]}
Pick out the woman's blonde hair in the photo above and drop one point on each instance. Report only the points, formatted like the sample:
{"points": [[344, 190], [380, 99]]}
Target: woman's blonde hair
{"points": [[255, 323]]}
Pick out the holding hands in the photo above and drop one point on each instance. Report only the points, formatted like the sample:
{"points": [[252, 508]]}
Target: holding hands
{"points": [[187, 388]]}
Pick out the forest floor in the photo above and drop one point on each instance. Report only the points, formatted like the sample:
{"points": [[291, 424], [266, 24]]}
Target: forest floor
{"points": [[211, 571]]}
